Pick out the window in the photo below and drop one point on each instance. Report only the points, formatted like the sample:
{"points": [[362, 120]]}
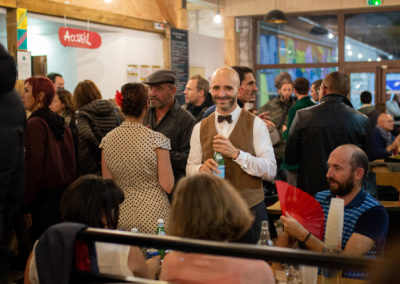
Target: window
{"points": [[266, 77], [372, 36], [302, 40]]}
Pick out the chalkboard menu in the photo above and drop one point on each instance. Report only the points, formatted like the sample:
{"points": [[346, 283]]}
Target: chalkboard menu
{"points": [[180, 60]]}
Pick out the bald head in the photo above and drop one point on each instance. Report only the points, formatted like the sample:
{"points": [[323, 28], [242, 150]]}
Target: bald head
{"points": [[228, 73], [353, 155], [385, 121], [224, 87], [335, 83]]}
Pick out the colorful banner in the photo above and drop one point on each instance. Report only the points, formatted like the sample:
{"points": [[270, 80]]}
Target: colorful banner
{"points": [[22, 26]]}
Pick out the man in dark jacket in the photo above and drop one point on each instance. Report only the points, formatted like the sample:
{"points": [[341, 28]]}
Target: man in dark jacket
{"points": [[166, 116], [12, 118], [198, 99], [316, 131]]}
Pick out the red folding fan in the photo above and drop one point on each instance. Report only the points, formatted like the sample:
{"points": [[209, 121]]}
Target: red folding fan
{"points": [[303, 207]]}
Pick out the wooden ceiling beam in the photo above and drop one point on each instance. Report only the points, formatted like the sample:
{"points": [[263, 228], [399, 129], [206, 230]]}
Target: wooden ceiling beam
{"points": [[82, 13], [8, 3], [168, 12]]}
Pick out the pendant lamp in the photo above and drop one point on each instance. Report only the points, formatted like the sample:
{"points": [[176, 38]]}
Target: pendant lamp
{"points": [[276, 16]]}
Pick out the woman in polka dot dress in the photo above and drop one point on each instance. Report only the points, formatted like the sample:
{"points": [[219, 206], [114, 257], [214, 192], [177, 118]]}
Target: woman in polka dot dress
{"points": [[137, 159]]}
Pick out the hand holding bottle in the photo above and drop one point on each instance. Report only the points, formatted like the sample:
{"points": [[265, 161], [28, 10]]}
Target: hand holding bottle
{"points": [[222, 145], [209, 166]]}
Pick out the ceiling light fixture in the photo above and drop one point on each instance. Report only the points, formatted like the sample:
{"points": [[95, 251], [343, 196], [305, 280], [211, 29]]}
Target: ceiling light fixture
{"points": [[217, 17], [108, 1], [276, 16]]}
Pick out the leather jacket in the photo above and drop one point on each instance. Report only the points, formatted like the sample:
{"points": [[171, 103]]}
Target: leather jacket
{"points": [[316, 131]]}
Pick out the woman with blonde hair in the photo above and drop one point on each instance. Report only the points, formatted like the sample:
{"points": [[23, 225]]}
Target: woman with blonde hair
{"points": [[95, 118], [209, 208]]}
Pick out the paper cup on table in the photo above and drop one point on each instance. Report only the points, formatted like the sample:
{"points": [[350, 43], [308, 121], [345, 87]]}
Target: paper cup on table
{"points": [[309, 274], [334, 224]]}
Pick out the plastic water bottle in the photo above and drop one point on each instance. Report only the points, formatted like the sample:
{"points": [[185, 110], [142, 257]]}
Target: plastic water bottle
{"points": [[331, 275], [161, 232], [265, 238], [221, 164]]}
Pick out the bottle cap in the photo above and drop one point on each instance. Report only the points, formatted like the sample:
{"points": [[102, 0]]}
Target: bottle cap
{"points": [[160, 221], [264, 224]]}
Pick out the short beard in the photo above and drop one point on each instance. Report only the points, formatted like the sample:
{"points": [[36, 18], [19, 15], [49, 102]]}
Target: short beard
{"points": [[343, 188], [231, 101]]}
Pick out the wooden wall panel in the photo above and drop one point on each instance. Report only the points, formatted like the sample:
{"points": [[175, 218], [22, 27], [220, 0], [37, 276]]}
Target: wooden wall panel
{"points": [[11, 19], [230, 43], [142, 9], [76, 12], [8, 3]]}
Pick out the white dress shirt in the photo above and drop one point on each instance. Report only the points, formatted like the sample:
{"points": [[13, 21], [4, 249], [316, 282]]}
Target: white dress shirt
{"points": [[262, 165]]}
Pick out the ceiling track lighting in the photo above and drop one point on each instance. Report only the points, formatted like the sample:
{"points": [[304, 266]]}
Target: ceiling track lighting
{"points": [[276, 16]]}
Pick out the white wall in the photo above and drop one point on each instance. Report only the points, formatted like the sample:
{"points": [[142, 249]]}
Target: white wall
{"points": [[106, 66], [207, 52]]}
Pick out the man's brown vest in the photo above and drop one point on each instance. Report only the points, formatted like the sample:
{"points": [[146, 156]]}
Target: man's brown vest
{"points": [[250, 187]]}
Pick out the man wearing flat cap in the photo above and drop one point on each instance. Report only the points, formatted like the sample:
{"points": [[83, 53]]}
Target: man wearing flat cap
{"points": [[167, 117]]}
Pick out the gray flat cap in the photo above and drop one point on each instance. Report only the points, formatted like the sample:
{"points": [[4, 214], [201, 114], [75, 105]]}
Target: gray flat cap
{"points": [[161, 76]]}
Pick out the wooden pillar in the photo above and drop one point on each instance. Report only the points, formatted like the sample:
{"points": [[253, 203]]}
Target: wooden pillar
{"points": [[176, 17], [230, 43], [11, 19], [181, 15]]}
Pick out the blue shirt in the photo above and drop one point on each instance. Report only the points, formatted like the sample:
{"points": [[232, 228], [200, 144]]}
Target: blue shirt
{"points": [[364, 215]]}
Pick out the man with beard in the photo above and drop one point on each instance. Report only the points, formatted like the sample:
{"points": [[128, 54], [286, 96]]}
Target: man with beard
{"points": [[166, 116], [244, 142], [247, 91], [365, 219], [278, 109]]}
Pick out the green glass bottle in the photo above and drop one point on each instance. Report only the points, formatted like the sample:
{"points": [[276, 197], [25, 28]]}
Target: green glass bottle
{"points": [[221, 164], [161, 232]]}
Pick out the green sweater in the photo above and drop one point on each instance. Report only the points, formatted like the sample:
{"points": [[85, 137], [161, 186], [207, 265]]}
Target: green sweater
{"points": [[300, 104]]}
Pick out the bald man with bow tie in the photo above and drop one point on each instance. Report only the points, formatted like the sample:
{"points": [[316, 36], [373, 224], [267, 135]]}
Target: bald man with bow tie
{"points": [[244, 142]]}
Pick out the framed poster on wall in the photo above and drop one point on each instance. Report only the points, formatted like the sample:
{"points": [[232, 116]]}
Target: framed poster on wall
{"points": [[24, 64]]}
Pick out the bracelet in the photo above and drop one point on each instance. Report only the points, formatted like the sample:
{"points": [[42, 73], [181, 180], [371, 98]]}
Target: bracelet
{"points": [[308, 236]]}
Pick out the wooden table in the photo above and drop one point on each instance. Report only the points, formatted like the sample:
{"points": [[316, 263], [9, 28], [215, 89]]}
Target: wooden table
{"points": [[275, 209]]}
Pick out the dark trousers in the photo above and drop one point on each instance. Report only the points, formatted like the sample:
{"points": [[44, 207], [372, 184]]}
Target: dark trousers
{"points": [[253, 233]]}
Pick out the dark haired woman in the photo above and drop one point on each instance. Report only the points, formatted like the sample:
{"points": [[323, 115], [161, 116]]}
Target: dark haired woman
{"points": [[49, 157], [62, 105], [95, 118], [137, 159], [94, 201]]}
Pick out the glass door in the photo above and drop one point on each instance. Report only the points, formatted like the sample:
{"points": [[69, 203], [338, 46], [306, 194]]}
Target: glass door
{"points": [[362, 79]]}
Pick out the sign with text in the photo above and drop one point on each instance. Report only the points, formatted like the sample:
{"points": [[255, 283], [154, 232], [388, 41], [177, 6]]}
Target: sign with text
{"points": [[79, 38], [180, 60]]}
